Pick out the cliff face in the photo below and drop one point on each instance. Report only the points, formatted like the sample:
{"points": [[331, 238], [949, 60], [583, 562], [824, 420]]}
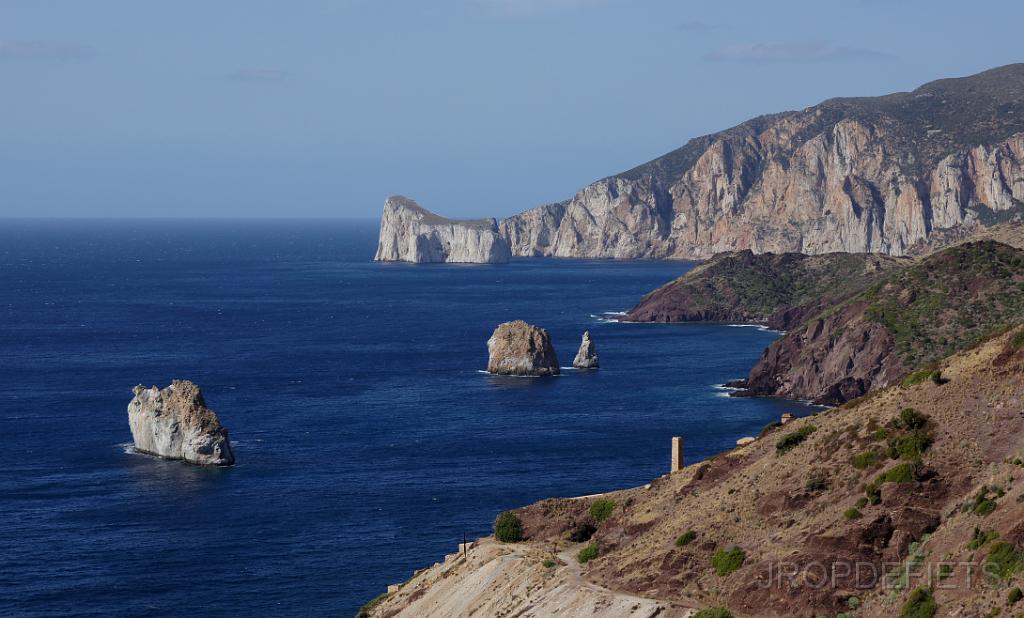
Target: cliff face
{"points": [[176, 424], [410, 233], [856, 175]]}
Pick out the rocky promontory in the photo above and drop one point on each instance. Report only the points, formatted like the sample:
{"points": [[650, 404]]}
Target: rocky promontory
{"points": [[914, 316], [586, 357], [175, 423], [521, 349], [779, 290], [411, 233]]}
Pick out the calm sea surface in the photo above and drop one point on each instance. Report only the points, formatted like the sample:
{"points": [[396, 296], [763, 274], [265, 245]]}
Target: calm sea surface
{"points": [[368, 441]]}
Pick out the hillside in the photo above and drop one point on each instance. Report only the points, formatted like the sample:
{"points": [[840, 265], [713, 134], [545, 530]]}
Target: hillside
{"points": [[906, 503], [773, 289], [946, 302], [868, 174]]}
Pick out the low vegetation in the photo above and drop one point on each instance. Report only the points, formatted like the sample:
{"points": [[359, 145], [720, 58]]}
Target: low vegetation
{"points": [[921, 604], [728, 560], [1003, 561], [713, 612], [602, 509], [686, 538], [984, 502], [902, 473], [852, 513], [793, 439], [508, 528], [980, 538], [588, 553], [367, 609]]}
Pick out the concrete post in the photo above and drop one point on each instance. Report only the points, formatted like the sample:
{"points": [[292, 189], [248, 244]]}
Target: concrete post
{"points": [[677, 453]]}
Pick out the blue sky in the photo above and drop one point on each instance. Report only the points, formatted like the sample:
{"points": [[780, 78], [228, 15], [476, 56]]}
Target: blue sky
{"points": [[317, 108]]}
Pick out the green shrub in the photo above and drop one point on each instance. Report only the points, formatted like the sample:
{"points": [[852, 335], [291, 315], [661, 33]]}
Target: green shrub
{"points": [[861, 503], [588, 553], [853, 602], [793, 439], [910, 419], [865, 460], [984, 502], [903, 473], [816, 482], [508, 528], [916, 377], [728, 560], [910, 446], [686, 538], [879, 435], [601, 510], [852, 513], [549, 563], [981, 538], [1003, 561], [713, 612], [368, 607], [1015, 596], [1017, 341], [937, 378], [921, 604]]}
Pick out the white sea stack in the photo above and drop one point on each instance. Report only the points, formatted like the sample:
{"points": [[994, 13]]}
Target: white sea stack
{"points": [[175, 423]]}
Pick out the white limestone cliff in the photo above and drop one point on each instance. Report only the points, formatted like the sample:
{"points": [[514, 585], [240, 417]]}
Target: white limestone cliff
{"points": [[411, 233]]}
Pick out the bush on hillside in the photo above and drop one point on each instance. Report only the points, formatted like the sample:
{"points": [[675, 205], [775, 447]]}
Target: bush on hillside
{"points": [[508, 528]]}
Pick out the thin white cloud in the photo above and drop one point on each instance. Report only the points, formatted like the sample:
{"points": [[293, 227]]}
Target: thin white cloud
{"points": [[701, 26], [15, 49], [527, 8], [257, 75], [794, 51]]}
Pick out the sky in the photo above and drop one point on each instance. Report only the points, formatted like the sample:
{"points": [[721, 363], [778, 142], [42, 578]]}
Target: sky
{"points": [[323, 108]]}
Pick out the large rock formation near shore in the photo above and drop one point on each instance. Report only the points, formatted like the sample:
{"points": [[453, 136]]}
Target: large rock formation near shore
{"points": [[521, 349], [586, 357], [858, 175], [175, 423], [411, 233]]}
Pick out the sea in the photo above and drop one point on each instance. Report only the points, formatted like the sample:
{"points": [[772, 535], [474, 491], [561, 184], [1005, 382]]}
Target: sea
{"points": [[369, 440]]}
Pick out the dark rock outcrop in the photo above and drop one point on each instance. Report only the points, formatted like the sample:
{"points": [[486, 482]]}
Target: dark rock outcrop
{"points": [[521, 349], [175, 423]]}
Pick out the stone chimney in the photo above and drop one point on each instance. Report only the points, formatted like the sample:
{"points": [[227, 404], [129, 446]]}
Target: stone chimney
{"points": [[677, 453]]}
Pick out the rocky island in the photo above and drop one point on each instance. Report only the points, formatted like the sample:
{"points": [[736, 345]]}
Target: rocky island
{"points": [[174, 423], [586, 357], [521, 349], [411, 233]]}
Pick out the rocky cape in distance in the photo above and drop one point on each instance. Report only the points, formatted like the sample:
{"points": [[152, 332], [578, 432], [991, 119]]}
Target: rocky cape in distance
{"points": [[866, 174], [411, 233]]}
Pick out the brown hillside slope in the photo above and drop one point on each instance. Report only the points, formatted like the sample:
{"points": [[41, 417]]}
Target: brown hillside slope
{"points": [[791, 510], [946, 302]]}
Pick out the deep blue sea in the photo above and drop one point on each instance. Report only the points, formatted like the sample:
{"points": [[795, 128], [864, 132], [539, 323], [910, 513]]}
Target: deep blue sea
{"points": [[368, 440]]}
